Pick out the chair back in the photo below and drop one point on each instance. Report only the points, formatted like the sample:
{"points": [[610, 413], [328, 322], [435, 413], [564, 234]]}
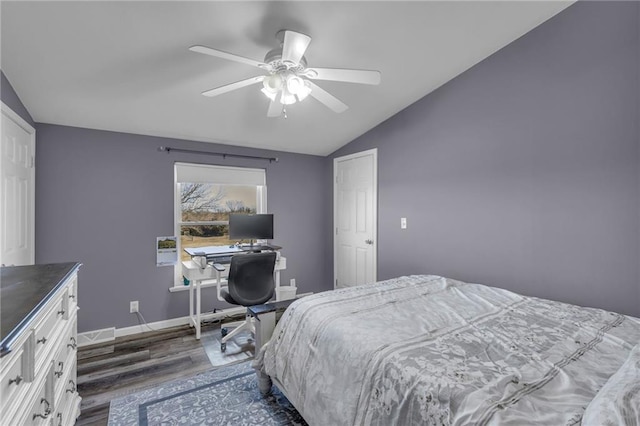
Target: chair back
{"points": [[250, 278]]}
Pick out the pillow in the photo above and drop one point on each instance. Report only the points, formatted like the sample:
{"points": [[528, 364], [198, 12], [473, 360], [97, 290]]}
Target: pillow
{"points": [[618, 402]]}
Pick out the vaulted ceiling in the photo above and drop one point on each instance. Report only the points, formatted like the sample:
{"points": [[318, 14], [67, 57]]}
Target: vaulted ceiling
{"points": [[125, 66]]}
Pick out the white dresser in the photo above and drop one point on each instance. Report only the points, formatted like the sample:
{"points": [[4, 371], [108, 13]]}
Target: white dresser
{"points": [[39, 345]]}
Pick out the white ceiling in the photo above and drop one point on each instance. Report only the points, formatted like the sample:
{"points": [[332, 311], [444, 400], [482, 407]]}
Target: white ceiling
{"points": [[124, 66]]}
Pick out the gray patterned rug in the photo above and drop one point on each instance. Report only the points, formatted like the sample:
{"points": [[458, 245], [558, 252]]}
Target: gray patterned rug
{"points": [[224, 396]]}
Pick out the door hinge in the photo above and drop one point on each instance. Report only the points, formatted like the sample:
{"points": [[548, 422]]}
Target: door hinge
{"points": [[33, 162]]}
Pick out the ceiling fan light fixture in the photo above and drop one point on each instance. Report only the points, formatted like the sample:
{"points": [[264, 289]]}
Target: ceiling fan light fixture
{"points": [[294, 84], [287, 97], [268, 94], [272, 83], [304, 91]]}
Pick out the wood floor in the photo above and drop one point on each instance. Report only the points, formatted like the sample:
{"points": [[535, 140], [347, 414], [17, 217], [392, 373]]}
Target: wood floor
{"points": [[132, 363]]}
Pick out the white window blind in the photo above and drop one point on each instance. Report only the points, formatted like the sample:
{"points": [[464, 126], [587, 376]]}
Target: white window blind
{"points": [[201, 173]]}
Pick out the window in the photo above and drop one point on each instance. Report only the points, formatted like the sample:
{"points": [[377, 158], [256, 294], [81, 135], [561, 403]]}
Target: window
{"points": [[206, 195], [205, 210]]}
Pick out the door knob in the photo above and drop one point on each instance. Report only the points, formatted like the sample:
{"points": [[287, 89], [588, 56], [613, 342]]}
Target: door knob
{"points": [[368, 242]]}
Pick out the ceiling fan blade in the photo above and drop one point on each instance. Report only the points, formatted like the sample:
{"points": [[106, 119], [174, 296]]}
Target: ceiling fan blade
{"points": [[327, 98], [275, 109], [348, 76], [233, 86], [294, 46], [228, 56]]}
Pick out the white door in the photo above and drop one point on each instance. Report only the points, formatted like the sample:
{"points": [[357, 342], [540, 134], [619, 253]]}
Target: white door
{"points": [[355, 218], [17, 186]]}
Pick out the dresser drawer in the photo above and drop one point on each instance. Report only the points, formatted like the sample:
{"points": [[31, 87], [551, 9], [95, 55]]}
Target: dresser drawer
{"points": [[72, 293], [12, 379], [65, 359], [68, 404], [48, 328], [38, 409], [41, 409]]}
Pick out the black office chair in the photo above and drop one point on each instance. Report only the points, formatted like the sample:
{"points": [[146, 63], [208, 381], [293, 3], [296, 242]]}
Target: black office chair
{"points": [[250, 282]]}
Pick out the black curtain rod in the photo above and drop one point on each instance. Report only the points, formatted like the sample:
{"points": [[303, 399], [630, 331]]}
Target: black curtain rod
{"points": [[168, 149]]}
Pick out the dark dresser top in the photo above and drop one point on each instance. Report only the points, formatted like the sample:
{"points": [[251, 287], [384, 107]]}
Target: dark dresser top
{"points": [[23, 291]]}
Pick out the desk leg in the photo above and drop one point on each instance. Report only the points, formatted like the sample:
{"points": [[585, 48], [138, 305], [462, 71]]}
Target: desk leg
{"points": [[191, 303], [198, 310], [277, 280], [265, 324]]}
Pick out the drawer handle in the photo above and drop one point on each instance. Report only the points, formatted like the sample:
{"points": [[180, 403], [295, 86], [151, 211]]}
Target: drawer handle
{"points": [[17, 380], [72, 296], [61, 312], [59, 373], [47, 410], [43, 340], [73, 387], [73, 343]]}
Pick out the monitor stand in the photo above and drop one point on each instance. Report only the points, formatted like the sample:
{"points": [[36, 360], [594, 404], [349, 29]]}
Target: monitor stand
{"points": [[251, 248]]}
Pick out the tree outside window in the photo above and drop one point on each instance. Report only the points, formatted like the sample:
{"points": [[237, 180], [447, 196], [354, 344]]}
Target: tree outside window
{"points": [[205, 210]]}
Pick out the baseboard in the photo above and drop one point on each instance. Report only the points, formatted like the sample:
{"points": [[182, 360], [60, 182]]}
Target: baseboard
{"points": [[153, 326], [108, 334]]}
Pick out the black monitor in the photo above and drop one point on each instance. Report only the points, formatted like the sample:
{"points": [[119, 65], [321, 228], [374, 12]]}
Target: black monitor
{"points": [[251, 226]]}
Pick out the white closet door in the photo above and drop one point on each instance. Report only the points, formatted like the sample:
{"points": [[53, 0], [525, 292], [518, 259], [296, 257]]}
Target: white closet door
{"points": [[17, 200], [355, 219]]}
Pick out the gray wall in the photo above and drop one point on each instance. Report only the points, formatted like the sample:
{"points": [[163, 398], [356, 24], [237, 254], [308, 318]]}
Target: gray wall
{"points": [[103, 197], [523, 172], [11, 99]]}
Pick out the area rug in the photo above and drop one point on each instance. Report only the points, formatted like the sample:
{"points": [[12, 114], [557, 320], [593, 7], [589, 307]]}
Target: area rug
{"points": [[240, 348], [224, 396]]}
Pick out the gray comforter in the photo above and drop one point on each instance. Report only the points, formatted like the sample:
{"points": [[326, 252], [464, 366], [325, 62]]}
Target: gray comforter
{"points": [[430, 350]]}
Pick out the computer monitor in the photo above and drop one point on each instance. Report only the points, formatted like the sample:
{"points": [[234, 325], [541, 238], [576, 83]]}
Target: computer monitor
{"points": [[251, 226]]}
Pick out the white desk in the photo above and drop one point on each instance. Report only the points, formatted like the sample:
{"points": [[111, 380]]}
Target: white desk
{"points": [[195, 274]]}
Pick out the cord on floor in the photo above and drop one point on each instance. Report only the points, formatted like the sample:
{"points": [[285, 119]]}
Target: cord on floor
{"points": [[144, 321]]}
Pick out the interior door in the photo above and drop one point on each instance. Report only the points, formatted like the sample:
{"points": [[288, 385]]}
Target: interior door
{"points": [[17, 183], [355, 218]]}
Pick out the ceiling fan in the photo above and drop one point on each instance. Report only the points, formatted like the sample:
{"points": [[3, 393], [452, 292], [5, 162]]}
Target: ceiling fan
{"points": [[288, 79]]}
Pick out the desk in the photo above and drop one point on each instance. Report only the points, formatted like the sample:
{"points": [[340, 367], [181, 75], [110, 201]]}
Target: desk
{"points": [[195, 274]]}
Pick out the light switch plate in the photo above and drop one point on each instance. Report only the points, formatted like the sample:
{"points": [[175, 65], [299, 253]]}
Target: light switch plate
{"points": [[403, 223]]}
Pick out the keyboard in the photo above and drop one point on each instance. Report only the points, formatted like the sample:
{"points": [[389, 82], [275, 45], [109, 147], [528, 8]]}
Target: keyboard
{"points": [[219, 259]]}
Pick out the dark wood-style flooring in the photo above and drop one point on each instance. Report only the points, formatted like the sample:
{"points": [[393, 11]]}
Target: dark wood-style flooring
{"points": [[132, 363]]}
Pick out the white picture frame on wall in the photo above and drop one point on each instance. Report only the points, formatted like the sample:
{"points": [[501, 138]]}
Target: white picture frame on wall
{"points": [[166, 251]]}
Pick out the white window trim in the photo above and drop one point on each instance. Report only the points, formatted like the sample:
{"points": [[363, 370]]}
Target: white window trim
{"points": [[199, 173]]}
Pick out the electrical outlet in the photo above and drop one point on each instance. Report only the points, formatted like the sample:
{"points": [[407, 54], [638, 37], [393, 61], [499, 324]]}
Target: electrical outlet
{"points": [[403, 223], [292, 282], [133, 306]]}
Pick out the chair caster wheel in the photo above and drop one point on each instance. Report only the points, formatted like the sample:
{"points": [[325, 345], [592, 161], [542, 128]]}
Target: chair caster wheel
{"points": [[224, 331], [223, 347]]}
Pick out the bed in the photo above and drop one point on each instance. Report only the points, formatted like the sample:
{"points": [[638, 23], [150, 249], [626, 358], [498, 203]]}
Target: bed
{"points": [[430, 350]]}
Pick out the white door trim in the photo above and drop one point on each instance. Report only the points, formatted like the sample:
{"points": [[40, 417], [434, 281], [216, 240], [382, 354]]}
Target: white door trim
{"points": [[374, 153], [13, 116]]}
